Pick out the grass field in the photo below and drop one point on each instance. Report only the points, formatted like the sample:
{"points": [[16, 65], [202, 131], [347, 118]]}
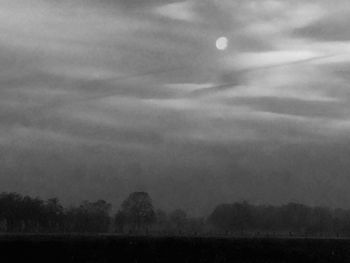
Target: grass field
{"points": [[109, 248]]}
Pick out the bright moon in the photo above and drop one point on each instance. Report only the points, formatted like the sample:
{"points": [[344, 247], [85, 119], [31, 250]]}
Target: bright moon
{"points": [[221, 43]]}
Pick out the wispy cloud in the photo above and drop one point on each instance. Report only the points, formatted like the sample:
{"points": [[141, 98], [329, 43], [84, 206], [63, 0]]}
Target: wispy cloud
{"points": [[73, 54], [178, 11]]}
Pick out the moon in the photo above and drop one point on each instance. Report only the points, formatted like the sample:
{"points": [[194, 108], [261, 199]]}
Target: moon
{"points": [[222, 43]]}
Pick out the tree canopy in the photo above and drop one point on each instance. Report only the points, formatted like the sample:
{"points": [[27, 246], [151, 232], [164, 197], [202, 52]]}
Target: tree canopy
{"points": [[138, 210]]}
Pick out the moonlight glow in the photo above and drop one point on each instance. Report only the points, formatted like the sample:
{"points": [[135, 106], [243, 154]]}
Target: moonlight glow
{"points": [[221, 43]]}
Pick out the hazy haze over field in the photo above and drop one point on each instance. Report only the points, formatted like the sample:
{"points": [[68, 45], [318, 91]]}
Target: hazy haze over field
{"points": [[101, 98]]}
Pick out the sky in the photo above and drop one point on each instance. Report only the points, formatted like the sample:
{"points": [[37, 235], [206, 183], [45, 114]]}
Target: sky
{"points": [[102, 98]]}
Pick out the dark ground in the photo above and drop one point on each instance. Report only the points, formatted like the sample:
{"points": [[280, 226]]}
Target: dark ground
{"points": [[108, 248]]}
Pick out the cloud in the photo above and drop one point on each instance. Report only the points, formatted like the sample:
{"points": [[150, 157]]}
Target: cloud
{"points": [[332, 26], [80, 58], [177, 11], [271, 58], [140, 4]]}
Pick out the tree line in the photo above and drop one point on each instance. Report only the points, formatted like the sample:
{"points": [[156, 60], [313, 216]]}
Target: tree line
{"points": [[290, 219], [137, 215], [25, 214]]}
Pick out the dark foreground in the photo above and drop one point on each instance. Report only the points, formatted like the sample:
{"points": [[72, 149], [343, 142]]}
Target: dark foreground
{"points": [[92, 248]]}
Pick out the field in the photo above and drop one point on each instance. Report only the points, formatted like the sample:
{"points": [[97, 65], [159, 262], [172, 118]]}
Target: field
{"points": [[109, 248]]}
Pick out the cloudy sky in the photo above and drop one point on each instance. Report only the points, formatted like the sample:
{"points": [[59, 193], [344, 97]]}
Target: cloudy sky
{"points": [[102, 98]]}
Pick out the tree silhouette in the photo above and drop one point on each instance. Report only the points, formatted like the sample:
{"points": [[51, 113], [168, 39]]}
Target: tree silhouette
{"points": [[138, 210], [89, 217], [119, 221], [161, 220], [178, 219], [54, 215]]}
